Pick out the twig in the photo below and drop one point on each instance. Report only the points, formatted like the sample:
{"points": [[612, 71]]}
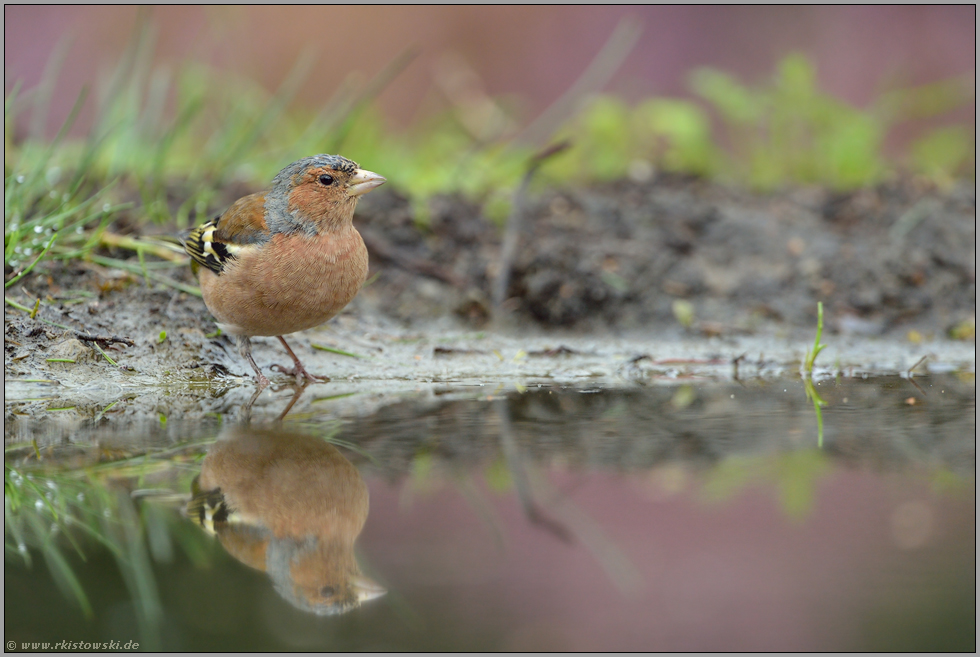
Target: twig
{"points": [[515, 463], [917, 363], [625, 576], [735, 363], [103, 340], [606, 62], [514, 222], [916, 386], [84, 337]]}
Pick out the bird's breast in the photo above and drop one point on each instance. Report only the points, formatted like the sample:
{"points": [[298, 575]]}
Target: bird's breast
{"points": [[291, 283]]}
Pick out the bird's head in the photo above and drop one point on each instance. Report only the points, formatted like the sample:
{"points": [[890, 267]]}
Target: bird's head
{"points": [[318, 576], [317, 194]]}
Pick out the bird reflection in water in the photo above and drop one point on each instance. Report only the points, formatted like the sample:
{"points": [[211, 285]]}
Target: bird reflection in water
{"points": [[292, 506]]}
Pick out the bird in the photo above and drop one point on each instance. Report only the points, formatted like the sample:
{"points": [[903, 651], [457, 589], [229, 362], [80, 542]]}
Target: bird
{"points": [[286, 259], [292, 506]]}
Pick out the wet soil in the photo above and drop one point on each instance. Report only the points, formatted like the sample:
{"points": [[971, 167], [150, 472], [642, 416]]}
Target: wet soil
{"points": [[593, 295], [886, 259]]}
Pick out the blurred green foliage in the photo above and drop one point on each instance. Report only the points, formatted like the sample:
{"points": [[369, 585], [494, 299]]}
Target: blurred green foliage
{"points": [[790, 131], [794, 477], [785, 132], [64, 514], [610, 140], [171, 145]]}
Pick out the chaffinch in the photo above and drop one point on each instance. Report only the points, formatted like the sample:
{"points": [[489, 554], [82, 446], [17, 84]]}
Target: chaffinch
{"points": [[291, 506], [287, 259]]}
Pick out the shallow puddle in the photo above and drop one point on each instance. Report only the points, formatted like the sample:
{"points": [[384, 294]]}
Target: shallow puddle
{"points": [[699, 516]]}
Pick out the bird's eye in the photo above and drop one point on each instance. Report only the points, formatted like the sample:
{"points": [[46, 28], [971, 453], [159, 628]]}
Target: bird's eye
{"points": [[326, 180], [326, 591]]}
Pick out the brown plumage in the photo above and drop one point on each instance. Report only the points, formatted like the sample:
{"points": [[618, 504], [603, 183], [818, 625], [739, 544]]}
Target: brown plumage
{"points": [[291, 506], [287, 259]]}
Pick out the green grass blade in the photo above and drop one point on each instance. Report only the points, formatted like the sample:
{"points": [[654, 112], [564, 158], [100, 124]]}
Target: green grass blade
{"points": [[28, 269]]}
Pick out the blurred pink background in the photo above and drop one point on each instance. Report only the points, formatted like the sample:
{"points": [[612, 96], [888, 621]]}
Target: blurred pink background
{"points": [[737, 575], [533, 52]]}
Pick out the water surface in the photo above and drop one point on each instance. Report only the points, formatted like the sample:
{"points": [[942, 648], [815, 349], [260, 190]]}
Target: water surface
{"points": [[699, 516]]}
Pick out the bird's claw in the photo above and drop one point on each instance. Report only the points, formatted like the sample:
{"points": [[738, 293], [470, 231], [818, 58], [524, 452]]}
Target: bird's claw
{"points": [[300, 373]]}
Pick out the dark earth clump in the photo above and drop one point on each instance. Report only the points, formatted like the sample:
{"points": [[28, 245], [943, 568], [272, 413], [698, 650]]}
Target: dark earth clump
{"points": [[898, 256]]}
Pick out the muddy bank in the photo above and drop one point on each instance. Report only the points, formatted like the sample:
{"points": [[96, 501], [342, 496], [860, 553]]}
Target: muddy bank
{"points": [[883, 260], [154, 385], [594, 284]]}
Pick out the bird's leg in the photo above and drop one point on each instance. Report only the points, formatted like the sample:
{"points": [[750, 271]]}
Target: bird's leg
{"points": [[246, 410], [245, 349], [298, 371], [297, 393]]}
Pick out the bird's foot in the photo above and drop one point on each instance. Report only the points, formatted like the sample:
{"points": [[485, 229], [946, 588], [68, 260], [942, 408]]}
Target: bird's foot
{"points": [[245, 348], [300, 373]]}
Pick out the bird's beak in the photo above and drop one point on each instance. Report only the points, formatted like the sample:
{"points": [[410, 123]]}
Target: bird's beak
{"points": [[363, 182], [364, 588]]}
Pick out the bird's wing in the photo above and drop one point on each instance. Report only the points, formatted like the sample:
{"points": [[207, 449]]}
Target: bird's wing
{"points": [[217, 241], [207, 507]]}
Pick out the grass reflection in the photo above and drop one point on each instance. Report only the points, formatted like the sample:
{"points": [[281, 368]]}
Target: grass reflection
{"points": [[818, 403], [793, 477], [64, 511]]}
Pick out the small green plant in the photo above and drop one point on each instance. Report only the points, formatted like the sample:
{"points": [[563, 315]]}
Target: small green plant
{"points": [[811, 355], [808, 385], [683, 312]]}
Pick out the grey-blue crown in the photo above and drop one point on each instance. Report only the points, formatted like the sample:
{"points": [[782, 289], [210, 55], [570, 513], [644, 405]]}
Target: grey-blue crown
{"points": [[336, 162]]}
